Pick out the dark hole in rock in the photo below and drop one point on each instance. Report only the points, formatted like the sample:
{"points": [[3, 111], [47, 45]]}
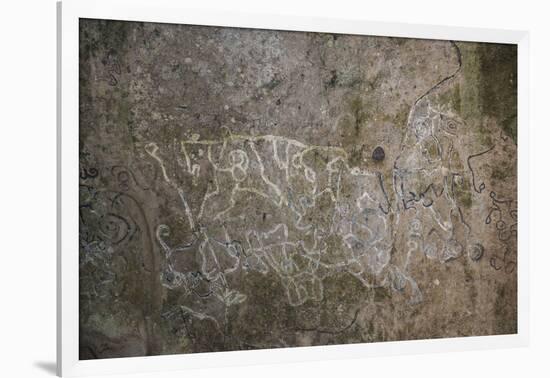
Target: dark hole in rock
{"points": [[378, 154]]}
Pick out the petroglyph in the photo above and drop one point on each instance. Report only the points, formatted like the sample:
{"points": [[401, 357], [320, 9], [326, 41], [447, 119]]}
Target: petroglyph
{"points": [[307, 200], [244, 189]]}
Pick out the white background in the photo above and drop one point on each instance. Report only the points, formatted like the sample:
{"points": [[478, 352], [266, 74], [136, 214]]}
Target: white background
{"points": [[27, 190]]}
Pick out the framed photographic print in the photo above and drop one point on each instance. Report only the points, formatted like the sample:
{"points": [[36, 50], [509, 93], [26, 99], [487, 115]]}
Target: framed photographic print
{"points": [[266, 188]]}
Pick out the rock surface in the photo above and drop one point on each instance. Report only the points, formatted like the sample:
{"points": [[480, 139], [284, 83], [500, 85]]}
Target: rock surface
{"points": [[230, 198]]}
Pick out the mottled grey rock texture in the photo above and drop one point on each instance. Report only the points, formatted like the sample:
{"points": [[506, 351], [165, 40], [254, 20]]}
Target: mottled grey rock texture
{"points": [[231, 197]]}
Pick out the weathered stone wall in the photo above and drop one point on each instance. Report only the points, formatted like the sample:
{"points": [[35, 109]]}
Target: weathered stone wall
{"points": [[232, 195]]}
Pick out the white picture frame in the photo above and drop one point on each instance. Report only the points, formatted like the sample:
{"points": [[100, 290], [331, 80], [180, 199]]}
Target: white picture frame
{"points": [[170, 11]]}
